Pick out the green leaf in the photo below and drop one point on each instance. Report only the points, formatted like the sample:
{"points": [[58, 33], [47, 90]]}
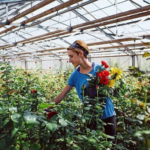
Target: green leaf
{"points": [[5, 121], [63, 122], [3, 108], [2, 144], [2, 68], [119, 129], [11, 148], [90, 75], [72, 124], [138, 133], [120, 122], [25, 146], [83, 120], [51, 126], [148, 109], [4, 135], [141, 117], [146, 132], [35, 146], [93, 141], [30, 118], [43, 105], [14, 132], [13, 109], [3, 76], [15, 117], [24, 135], [87, 108], [110, 137]]}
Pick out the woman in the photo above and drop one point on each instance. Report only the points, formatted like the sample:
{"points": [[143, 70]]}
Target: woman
{"points": [[77, 53]]}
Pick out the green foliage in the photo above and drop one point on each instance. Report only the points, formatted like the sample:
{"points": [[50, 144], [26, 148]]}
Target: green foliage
{"points": [[24, 95]]}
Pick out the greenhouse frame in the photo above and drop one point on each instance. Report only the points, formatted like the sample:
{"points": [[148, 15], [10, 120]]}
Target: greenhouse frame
{"points": [[31, 30], [37, 73]]}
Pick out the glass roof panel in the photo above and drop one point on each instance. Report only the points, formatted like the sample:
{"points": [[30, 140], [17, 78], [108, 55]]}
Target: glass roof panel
{"points": [[39, 33]]}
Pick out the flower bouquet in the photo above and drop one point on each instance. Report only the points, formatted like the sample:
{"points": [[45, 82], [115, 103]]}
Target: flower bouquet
{"points": [[102, 84]]}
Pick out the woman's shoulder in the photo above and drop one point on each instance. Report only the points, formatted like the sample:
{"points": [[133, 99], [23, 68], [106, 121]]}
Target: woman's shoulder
{"points": [[74, 72], [96, 66]]}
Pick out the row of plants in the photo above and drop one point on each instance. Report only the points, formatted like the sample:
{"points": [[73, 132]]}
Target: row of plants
{"points": [[23, 125]]}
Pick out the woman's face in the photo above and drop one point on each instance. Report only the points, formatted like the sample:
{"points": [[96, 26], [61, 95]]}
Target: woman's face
{"points": [[74, 58]]}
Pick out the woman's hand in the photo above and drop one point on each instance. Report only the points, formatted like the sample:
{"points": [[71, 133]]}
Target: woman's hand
{"points": [[48, 108]]}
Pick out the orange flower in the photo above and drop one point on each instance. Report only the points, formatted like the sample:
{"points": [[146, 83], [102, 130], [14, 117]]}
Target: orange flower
{"points": [[142, 104]]}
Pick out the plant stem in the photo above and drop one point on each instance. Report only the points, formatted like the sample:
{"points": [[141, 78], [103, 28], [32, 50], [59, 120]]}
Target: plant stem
{"points": [[145, 119], [83, 101], [65, 143]]}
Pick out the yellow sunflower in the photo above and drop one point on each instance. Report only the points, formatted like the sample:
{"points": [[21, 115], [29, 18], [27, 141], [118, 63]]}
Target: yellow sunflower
{"points": [[116, 72], [111, 83]]}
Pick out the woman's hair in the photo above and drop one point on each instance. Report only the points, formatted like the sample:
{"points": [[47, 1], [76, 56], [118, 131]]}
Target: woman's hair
{"points": [[79, 45]]}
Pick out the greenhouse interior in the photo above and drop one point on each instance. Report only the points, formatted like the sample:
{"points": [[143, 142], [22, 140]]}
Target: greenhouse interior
{"points": [[74, 75]]}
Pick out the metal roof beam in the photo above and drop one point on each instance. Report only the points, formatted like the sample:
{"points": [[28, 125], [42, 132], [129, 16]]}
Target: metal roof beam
{"points": [[45, 2], [47, 12]]}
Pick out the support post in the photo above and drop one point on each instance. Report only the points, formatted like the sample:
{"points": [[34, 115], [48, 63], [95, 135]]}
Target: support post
{"points": [[133, 60], [26, 65]]}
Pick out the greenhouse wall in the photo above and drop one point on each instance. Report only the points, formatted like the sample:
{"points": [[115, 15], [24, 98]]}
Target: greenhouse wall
{"points": [[17, 64], [121, 62]]}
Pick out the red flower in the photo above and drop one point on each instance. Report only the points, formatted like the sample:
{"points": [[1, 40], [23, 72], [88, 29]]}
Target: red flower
{"points": [[51, 114], [83, 87], [99, 74], [97, 87], [104, 80], [35, 61], [33, 91], [126, 96], [104, 64], [123, 114], [105, 73], [49, 67]]}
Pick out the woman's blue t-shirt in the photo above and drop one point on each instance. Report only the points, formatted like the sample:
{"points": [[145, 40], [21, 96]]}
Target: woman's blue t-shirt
{"points": [[78, 79]]}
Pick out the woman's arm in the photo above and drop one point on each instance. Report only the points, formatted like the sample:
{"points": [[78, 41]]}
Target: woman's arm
{"points": [[59, 98]]}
